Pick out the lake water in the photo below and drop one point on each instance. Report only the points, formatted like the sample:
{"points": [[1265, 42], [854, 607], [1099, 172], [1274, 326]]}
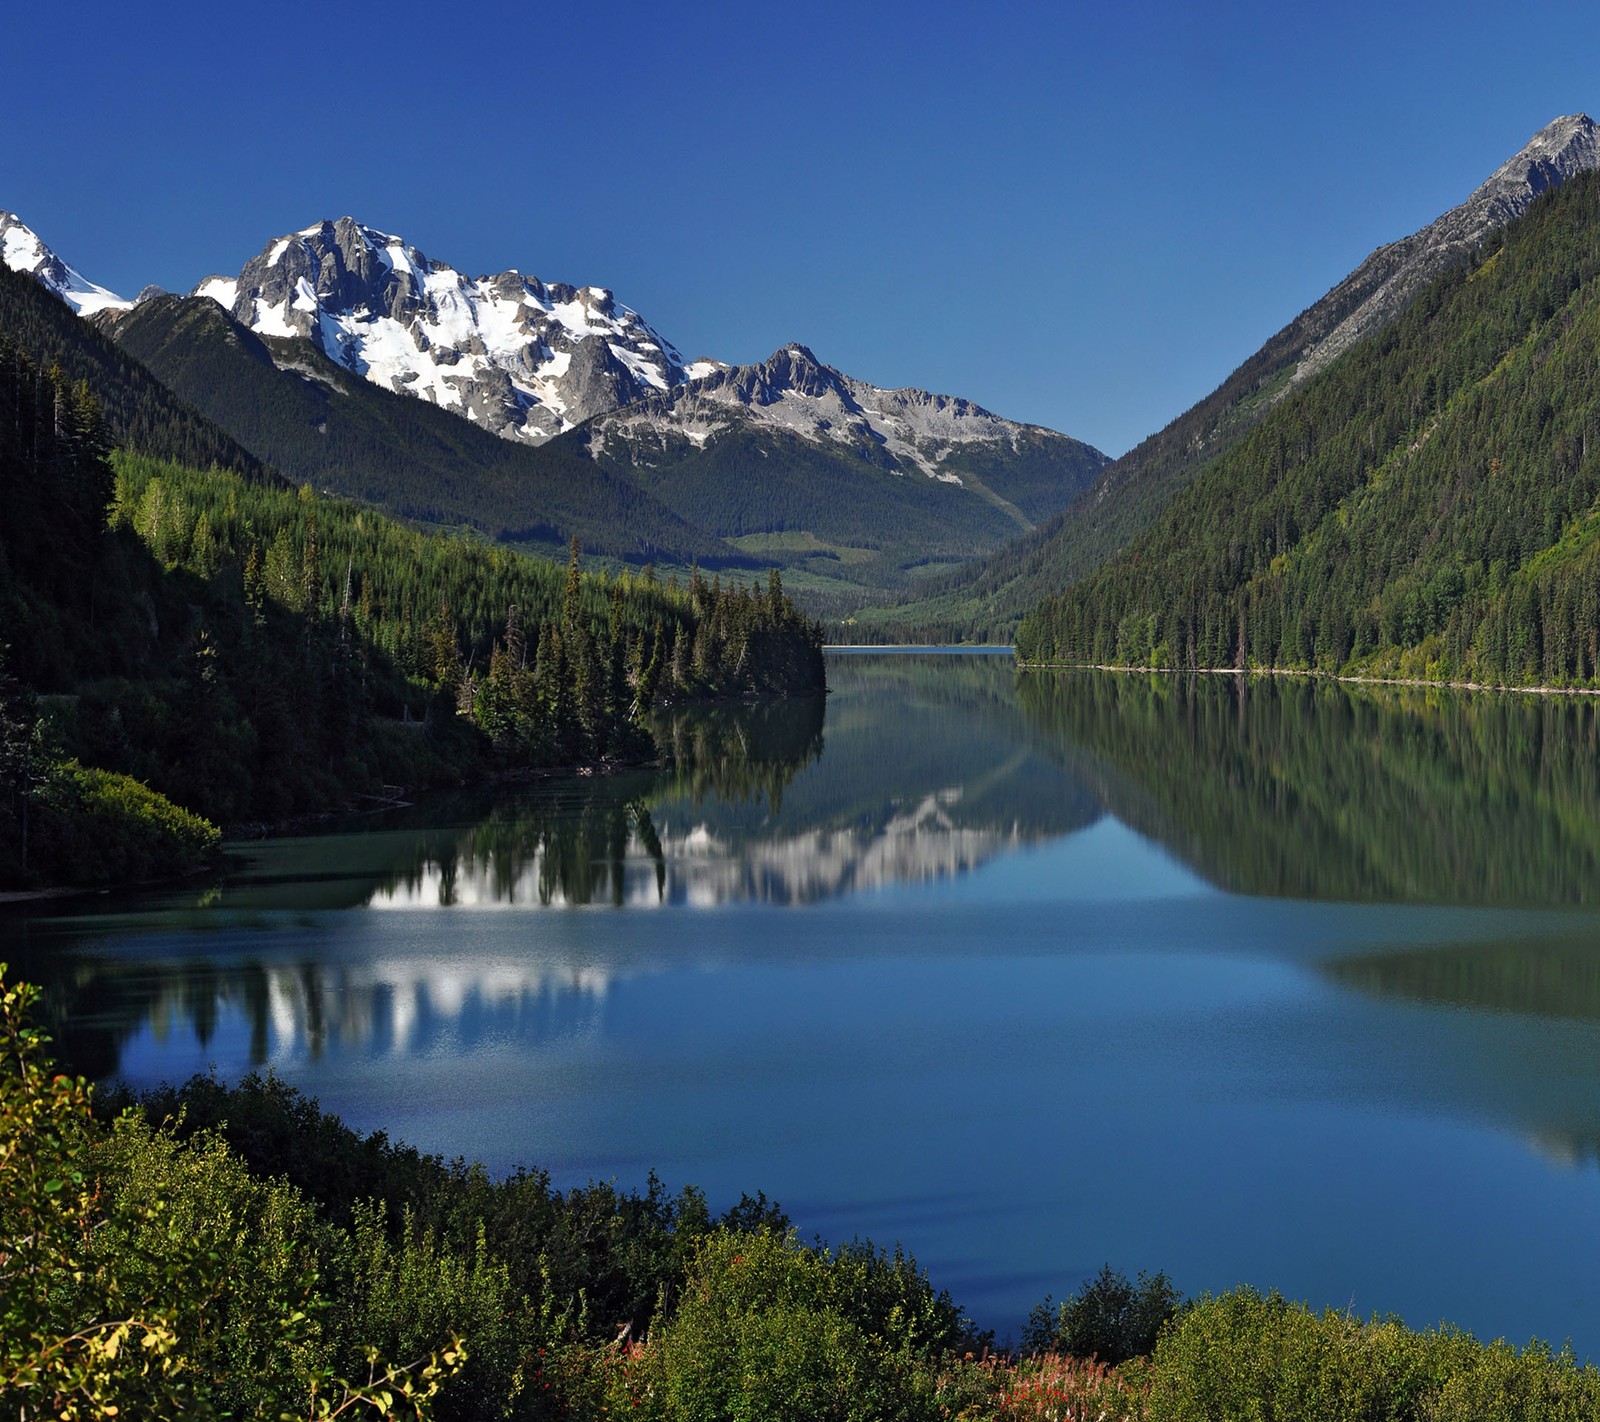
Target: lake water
{"points": [[1279, 983]]}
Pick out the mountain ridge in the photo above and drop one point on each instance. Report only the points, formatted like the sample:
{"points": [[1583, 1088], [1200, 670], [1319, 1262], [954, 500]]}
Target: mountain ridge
{"points": [[990, 594], [864, 484], [1427, 507], [858, 485], [322, 424], [524, 358]]}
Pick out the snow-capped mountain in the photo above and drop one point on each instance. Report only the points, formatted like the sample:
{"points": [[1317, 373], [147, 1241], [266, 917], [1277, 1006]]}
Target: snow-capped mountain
{"points": [[22, 251], [906, 431], [1385, 284], [516, 355]]}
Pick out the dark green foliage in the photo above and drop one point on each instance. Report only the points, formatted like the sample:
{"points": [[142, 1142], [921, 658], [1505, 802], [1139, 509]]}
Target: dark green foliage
{"points": [[319, 424], [54, 488], [144, 1277], [141, 413], [623, 1252], [1310, 788], [1423, 508], [253, 653], [1110, 1318], [769, 1329], [98, 827], [63, 823]]}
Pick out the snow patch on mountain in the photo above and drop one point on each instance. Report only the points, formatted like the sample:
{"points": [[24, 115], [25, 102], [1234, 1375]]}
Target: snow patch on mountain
{"points": [[22, 251], [525, 358], [792, 390]]}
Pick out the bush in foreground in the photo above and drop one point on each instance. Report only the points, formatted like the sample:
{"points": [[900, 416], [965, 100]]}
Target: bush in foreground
{"points": [[1111, 1318], [143, 1278], [1248, 1355]]}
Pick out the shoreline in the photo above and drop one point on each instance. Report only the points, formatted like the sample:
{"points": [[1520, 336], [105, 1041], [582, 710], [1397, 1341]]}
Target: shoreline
{"points": [[1311, 675], [23, 896]]}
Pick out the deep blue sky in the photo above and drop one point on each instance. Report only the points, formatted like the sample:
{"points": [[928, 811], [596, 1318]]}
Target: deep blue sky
{"points": [[1079, 214]]}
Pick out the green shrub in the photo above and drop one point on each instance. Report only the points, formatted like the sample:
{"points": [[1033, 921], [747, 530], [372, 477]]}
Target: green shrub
{"points": [[98, 827], [1250, 1357], [1110, 1318], [235, 1256], [143, 1276], [404, 1292], [768, 1330]]}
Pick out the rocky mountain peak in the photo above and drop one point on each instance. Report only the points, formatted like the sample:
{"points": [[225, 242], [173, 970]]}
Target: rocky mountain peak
{"points": [[519, 356], [23, 251], [790, 370], [1385, 284]]}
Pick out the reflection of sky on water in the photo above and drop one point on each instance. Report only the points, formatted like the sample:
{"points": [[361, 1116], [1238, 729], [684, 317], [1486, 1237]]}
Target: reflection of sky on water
{"points": [[1015, 1088], [1005, 1027]]}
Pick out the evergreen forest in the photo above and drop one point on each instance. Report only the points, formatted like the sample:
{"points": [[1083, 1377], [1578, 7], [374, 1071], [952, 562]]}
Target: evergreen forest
{"points": [[253, 652], [1426, 508]]}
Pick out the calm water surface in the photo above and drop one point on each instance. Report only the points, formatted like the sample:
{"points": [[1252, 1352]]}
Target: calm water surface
{"points": [[1283, 984]]}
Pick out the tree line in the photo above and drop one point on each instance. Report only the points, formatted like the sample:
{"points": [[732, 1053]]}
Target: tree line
{"points": [[254, 652]]}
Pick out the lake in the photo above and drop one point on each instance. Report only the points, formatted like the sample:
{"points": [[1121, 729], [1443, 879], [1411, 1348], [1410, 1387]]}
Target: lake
{"points": [[1277, 982]]}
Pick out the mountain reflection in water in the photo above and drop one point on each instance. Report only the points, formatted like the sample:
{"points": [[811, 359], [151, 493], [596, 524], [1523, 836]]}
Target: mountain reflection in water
{"points": [[920, 770]]}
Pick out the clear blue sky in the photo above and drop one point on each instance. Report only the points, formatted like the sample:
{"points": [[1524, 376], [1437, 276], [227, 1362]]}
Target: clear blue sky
{"points": [[1079, 214]]}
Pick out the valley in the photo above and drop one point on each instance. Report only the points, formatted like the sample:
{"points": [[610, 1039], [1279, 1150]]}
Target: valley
{"points": [[430, 689]]}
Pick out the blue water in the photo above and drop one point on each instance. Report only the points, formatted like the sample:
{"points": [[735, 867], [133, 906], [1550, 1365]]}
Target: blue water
{"points": [[945, 996]]}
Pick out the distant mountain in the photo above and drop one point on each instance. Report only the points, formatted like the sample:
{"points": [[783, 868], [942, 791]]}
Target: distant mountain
{"points": [[22, 251], [788, 462], [318, 423], [515, 355], [854, 482], [1131, 492]]}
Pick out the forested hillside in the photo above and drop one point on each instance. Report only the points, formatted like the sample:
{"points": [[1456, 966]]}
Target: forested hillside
{"points": [[254, 652], [1426, 507], [140, 412], [320, 424]]}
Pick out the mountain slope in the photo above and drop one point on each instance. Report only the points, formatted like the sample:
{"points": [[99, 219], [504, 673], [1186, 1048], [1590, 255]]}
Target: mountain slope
{"points": [[141, 412], [1134, 488], [1428, 506], [319, 423], [22, 251], [852, 481], [790, 461], [520, 357]]}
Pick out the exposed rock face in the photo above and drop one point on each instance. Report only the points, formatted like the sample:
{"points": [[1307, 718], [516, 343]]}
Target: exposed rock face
{"points": [[597, 381], [22, 251], [521, 357], [1385, 284], [909, 430]]}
